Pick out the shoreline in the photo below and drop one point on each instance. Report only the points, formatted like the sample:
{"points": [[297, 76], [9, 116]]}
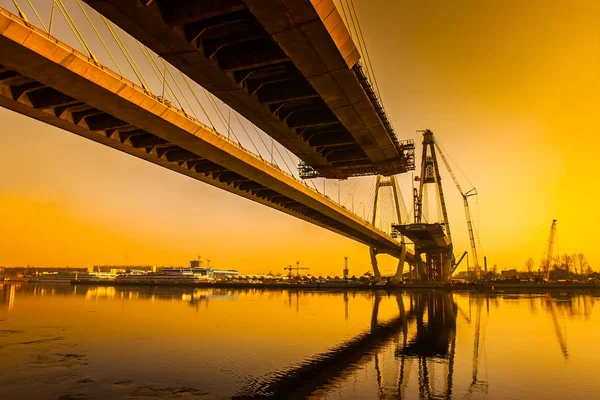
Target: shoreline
{"points": [[492, 286]]}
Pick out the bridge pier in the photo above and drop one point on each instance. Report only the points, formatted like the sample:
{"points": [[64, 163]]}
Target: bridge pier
{"points": [[391, 182], [400, 269], [376, 272]]}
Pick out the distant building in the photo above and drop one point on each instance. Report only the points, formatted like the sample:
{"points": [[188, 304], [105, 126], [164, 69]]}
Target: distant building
{"points": [[1, 273], [215, 273], [509, 273], [120, 268], [466, 275], [195, 264]]}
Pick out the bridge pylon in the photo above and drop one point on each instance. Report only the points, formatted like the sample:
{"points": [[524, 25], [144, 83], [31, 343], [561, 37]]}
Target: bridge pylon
{"points": [[389, 182], [433, 240]]}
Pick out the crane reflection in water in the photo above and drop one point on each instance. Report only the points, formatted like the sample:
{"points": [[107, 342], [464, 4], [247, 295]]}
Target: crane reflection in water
{"points": [[422, 340], [410, 355], [424, 332]]}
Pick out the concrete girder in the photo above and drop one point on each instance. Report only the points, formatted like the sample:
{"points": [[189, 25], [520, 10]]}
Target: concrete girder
{"points": [[284, 109], [18, 91], [304, 118], [180, 154], [309, 132], [71, 108], [252, 85], [48, 97], [246, 186], [5, 76], [79, 115], [189, 164], [230, 177], [334, 138], [284, 70], [345, 153], [209, 168], [103, 121], [184, 12], [211, 47], [115, 134], [286, 91], [242, 56], [146, 140], [193, 31]]}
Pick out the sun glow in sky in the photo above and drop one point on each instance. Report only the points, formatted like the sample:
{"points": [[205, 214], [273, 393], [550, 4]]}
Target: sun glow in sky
{"points": [[511, 89]]}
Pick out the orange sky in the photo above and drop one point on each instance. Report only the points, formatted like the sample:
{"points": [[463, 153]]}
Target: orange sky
{"points": [[510, 88]]}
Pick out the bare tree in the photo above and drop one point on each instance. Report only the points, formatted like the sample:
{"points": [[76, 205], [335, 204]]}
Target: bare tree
{"points": [[583, 263], [529, 264], [575, 263], [545, 265], [566, 262]]}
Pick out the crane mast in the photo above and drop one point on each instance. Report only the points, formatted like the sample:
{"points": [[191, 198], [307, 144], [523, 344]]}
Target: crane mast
{"points": [[550, 251], [297, 268], [465, 196]]}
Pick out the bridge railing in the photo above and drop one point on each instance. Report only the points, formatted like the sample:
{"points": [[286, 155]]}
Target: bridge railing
{"points": [[168, 104]]}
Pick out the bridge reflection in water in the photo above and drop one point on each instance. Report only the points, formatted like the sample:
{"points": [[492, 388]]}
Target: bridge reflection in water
{"points": [[424, 330], [411, 354]]}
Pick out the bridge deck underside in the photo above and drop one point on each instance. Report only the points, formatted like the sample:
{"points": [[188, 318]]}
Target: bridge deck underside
{"points": [[49, 81], [290, 68], [427, 237]]}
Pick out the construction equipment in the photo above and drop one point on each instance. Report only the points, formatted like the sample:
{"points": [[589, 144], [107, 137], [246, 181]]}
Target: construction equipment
{"points": [[547, 262], [465, 196], [297, 268], [457, 263], [346, 271], [431, 239]]}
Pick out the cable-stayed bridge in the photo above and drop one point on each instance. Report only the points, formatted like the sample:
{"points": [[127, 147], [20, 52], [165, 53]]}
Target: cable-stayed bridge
{"points": [[290, 67], [47, 79]]}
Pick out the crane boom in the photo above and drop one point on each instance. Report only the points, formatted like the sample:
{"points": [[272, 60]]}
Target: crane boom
{"points": [[297, 268], [550, 251], [465, 196]]}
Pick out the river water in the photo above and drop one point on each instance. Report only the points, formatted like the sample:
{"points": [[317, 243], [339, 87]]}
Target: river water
{"points": [[65, 342]]}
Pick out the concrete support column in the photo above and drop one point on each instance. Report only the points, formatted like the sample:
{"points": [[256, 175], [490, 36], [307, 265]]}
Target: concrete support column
{"points": [[400, 270], [422, 275], [376, 272]]}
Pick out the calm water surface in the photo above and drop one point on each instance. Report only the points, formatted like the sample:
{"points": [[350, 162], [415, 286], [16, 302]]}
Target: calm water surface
{"points": [[64, 342]]}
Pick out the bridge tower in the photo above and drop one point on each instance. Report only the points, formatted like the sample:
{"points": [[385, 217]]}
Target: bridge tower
{"points": [[433, 240], [380, 183]]}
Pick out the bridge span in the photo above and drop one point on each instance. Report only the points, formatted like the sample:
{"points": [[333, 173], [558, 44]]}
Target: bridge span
{"points": [[46, 79], [289, 67]]}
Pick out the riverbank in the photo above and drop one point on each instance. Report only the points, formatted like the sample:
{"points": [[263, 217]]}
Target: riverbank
{"points": [[351, 286]]}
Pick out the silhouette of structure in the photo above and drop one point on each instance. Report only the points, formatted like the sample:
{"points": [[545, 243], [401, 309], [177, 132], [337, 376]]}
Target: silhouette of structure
{"points": [[432, 314], [380, 183], [433, 240], [291, 68], [549, 256], [48, 80]]}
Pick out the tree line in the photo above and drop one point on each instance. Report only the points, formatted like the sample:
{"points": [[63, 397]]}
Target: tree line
{"points": [[568, 263]]}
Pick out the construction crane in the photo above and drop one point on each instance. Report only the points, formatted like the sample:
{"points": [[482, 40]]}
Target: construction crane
{"points": [[550, 251], [465, 196], [297, 268]]}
